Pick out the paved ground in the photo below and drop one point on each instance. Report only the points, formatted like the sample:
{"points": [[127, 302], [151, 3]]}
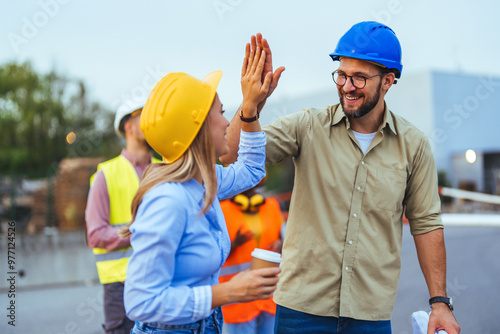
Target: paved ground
{"points": [[58, 310], [473, 280], [473, 277]]}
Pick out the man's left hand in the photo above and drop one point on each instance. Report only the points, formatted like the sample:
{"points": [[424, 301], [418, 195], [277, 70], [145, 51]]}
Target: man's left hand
{"points": [[442, 318]]}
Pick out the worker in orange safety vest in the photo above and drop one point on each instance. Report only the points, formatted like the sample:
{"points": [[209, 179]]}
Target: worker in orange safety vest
{"points": [[253, 221]]}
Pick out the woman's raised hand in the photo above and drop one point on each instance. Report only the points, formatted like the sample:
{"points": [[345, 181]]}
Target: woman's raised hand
{"points": [[253, 88]]}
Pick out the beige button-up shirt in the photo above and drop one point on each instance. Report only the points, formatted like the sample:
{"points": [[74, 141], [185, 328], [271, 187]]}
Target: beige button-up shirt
{"points": [[342, 250]]}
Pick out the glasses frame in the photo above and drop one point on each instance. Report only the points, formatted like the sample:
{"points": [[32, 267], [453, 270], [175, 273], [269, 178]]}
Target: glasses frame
{"points": [[352, 80]]}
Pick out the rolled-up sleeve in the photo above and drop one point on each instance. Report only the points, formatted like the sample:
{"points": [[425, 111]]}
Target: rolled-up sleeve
{"points": [[423, 206], [248, 170], [202, 302]]}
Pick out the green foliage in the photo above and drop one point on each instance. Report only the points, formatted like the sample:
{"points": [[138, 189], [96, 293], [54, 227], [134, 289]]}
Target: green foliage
{"points": [[36, 114], [443, 179], [280, 177], [444, 182]]}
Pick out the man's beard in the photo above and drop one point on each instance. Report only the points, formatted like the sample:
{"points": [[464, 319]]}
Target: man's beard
{"points": [[365, 108]]}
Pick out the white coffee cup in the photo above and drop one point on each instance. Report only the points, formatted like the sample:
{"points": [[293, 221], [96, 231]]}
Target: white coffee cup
{"points": [[262, 258]]}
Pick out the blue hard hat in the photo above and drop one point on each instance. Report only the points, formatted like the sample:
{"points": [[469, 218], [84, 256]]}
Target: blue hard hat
{"points": [[371, 41]]}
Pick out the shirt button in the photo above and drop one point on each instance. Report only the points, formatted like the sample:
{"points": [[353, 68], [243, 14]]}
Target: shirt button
{"points": [[220, 232], [359, 188], [350, 242], [355, 215], [362, 162], [347, 268]]}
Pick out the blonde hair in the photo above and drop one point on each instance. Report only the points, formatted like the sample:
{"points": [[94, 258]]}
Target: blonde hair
{"points": [[198, 159]]}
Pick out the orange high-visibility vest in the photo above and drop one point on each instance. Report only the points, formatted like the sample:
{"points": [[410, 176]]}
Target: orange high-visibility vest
{"points": [[239, 260]]}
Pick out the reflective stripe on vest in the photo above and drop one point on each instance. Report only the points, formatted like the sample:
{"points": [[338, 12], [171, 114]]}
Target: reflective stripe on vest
{"points": [[234, 269], [114, 255], [122, 183]]}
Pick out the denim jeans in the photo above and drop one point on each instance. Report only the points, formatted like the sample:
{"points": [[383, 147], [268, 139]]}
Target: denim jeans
{"points": [[210, 325], [289, 321], [262, 324]]}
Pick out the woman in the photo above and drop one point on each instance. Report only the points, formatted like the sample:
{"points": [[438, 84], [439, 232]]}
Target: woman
{"points": [[179, 236]]}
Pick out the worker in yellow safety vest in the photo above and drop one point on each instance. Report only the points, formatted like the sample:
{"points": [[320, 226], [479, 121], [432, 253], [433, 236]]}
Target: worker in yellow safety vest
{"points": [[253, 221], [112, 189]]}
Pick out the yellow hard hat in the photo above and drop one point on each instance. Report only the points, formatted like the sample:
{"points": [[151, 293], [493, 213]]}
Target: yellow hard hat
{"points": [[175, 112]]}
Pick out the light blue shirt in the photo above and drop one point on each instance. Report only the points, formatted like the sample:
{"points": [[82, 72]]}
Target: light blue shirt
{"points": [[177, 254]]}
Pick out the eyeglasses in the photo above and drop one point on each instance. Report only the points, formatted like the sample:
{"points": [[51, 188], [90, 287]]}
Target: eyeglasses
{"points": [[357, 81]]}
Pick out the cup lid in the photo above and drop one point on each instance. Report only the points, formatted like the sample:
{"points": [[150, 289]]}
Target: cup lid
{"points": [[266, 255]]}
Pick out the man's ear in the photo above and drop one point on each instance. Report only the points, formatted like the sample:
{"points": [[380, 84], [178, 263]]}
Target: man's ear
{"points": [[388, 80], [127, 126]]}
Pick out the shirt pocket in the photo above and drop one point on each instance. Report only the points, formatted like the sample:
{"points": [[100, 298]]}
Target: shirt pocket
{"points": [[390, 188]]}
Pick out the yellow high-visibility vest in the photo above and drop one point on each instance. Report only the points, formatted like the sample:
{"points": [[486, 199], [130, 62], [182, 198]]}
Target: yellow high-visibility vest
{"points": [[122, 183]]}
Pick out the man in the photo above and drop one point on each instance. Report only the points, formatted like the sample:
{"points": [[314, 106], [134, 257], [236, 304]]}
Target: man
{"points": [[358, 168], [253, 221], [112, 189]]}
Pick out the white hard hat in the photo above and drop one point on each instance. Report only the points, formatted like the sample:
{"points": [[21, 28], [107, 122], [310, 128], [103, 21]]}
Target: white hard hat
{"points": [[125, 109]]}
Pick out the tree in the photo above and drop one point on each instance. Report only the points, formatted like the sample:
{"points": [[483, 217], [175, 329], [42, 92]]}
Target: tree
{"points": [[45, 118], [444, 182]]}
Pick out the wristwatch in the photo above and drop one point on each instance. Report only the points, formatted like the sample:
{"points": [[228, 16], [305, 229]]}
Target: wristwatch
{"points": [[440, 299], [248, 119]]}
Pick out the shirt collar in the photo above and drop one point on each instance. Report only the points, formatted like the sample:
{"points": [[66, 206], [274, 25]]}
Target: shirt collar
{"points": [[338, 116]]}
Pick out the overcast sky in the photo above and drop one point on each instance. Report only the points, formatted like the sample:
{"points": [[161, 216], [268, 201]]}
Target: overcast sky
{"points": [[122, 48]]}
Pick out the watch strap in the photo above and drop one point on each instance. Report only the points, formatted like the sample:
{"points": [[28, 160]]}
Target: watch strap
{"points": [[248, 119], [441, 299]]}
